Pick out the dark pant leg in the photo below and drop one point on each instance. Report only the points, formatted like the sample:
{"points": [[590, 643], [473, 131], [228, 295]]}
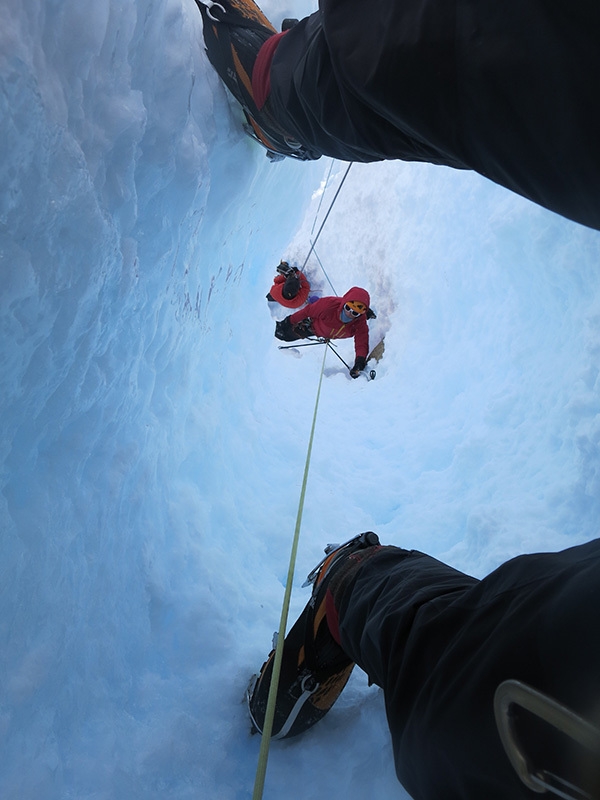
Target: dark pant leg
{"points": [[507, 89], [439, 643], [378, 610]]}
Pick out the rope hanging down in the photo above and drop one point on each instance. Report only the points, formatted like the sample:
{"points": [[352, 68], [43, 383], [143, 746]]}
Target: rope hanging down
{"points": [[313, 243], [312, 230], [263, 756]]}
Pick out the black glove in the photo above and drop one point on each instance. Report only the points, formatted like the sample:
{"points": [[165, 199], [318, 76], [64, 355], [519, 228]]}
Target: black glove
{"points": [[359, 364], [304, 328], [285, 331]]}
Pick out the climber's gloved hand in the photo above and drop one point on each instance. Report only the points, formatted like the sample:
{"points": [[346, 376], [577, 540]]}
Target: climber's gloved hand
{"points": [[359, 364]]}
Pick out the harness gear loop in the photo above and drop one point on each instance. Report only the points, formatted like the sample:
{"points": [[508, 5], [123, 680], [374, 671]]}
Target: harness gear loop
{"points": [[263, 756], [512, 692]]}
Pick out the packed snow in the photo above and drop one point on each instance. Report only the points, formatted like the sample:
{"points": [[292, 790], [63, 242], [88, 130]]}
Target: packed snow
{"points": [[153, 436]]}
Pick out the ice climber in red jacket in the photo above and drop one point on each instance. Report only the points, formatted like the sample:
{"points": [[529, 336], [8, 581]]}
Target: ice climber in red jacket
{"points": [[290, 287], [333, 318]]}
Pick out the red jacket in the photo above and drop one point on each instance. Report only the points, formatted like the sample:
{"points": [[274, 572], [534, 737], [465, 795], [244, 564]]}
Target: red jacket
{"points": [[326, 320], [300, 299]]}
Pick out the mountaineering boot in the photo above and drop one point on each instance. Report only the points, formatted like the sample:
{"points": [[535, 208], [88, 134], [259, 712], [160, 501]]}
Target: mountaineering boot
{"points": [[234, 33], [314, 667], [283, 268]]}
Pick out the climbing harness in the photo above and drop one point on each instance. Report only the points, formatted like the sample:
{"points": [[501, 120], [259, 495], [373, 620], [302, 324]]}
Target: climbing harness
{"points": [[514, 693], [263, 755]]}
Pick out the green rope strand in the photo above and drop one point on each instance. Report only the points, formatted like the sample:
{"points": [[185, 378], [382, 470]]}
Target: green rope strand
{"points": [[263, 756]]}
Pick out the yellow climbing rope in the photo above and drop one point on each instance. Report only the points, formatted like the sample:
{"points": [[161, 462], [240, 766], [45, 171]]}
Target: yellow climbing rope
{"points": [[263, 755]]}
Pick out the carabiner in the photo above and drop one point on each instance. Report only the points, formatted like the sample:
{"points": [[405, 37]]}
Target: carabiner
{"points": [[512, 692]]}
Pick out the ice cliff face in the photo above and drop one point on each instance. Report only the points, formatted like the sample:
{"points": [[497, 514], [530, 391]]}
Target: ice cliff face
{"points": [[152, 437]]}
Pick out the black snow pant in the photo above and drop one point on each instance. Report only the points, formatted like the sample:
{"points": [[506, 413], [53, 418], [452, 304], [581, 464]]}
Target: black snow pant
{"points": [[440, 642], [508, 88]]}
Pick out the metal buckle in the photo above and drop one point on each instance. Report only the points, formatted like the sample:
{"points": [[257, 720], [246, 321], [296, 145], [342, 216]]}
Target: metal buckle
{"points": [[208, 4], [512, 692]]}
